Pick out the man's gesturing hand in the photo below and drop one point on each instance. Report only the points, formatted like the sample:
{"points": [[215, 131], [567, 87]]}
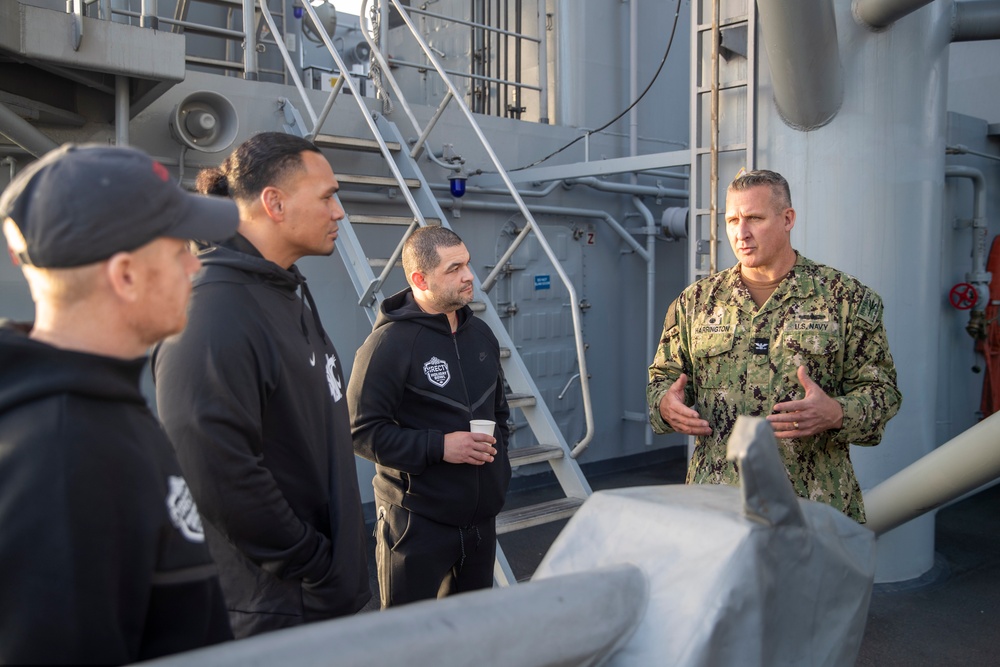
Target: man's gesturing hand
{"points": [[680, 417], [813, 414]]}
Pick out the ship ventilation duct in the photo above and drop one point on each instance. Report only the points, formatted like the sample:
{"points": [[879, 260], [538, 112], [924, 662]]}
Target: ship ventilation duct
{"points": [[974, 20], [801, 43], [879, 14]]}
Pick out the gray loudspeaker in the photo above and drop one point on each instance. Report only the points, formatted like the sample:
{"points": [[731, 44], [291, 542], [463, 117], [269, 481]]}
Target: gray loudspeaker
{"points": [[205, 121]]}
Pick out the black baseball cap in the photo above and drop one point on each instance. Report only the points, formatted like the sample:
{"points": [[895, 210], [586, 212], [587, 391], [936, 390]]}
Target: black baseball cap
{"points": [[81, 204]]}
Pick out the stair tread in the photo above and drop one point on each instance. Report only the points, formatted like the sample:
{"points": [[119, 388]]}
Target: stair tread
{"points": [[362, 179], [352, 143], [534, 515], [400, 220], [520, 456], [517, 400]]}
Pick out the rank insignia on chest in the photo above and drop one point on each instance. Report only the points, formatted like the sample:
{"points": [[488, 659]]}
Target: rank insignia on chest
{"points": [[761, 345]]}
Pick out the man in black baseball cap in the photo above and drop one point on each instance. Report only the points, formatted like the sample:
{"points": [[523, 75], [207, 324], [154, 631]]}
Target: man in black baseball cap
{"points": [[81, 204], [102, 554]]}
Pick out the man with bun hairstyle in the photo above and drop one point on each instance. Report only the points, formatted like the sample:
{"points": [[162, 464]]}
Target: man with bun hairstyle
{"points": [[252, 396], [102, 554]]}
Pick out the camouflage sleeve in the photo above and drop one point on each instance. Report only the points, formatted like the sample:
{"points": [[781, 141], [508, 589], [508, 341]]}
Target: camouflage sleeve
{"points": [[667, 366], [870, 397]]}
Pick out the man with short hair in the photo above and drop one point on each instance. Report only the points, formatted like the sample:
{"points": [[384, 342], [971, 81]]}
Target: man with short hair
{"points": [[102, 554], [777, 336], [251, 395], [428, 368]]}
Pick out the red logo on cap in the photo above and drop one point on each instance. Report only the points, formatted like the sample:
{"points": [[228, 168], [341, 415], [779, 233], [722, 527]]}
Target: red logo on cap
{"points": [[161, 171]]}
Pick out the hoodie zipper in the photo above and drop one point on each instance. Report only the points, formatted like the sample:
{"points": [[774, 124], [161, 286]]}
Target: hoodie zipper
{"points": [[468, 404]]}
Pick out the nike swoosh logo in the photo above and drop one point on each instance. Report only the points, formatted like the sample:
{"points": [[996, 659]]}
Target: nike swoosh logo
{"points": [[312, 359]]}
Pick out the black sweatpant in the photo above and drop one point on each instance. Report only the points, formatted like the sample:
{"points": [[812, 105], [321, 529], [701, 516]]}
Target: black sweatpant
{"points": [[420, 559]]}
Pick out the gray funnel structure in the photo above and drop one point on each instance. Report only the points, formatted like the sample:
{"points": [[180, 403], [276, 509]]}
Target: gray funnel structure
{"points": [[801, 43]]}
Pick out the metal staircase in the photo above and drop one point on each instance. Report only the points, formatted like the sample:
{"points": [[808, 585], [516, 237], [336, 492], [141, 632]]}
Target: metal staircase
{"points": [[550, 446]]}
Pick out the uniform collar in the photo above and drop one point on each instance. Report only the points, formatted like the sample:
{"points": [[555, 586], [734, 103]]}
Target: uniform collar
{"points": [[800, 283]]}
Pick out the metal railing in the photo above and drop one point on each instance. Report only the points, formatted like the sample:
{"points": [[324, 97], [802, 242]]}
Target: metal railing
{"points": [[491, 61], [453, 95]]}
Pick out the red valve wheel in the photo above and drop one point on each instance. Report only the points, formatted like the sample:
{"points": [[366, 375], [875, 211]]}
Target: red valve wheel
{"points": [[963, 296]]}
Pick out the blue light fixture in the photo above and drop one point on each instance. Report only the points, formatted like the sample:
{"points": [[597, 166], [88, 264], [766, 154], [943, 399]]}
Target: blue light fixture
{"points": [[457, 182]]}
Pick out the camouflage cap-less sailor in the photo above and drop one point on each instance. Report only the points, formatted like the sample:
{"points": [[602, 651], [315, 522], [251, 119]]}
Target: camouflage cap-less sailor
{"points": [[742, 360], [81, 204]]}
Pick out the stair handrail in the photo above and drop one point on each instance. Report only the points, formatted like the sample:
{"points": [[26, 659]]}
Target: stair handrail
{"points": [[345, 78], [530, 224]]}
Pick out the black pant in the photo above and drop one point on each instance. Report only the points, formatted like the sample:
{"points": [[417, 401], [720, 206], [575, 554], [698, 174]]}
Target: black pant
{"points": [[420, 559]]}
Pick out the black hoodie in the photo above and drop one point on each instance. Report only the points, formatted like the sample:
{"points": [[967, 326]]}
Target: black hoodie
{"points": [[413, 381], [251, 396], [102, 556]]}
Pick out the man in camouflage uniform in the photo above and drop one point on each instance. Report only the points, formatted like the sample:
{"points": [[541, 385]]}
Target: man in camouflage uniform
{"points": [[778, 336]]}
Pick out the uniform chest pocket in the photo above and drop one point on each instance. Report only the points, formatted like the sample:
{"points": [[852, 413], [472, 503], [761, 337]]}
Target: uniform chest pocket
{"points": [[712, 359], [820, 352]]}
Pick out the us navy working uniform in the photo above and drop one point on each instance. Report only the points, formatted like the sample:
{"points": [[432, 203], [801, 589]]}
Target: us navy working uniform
{"points": [[742, 361]]}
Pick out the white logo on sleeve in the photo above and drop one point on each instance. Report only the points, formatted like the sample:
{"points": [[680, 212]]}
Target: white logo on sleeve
{"points": [[331, 377], [182, 510], [437, 371], [312, 359]]}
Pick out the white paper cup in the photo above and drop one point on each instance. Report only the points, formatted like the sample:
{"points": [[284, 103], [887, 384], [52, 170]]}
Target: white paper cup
{"points": [[482, 426]]}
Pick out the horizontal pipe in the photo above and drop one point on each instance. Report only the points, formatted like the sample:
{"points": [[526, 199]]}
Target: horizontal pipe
{"points": [[629, 189], [962, 464], [596, 612], [880, 14], [959, 149], [975, 20]]}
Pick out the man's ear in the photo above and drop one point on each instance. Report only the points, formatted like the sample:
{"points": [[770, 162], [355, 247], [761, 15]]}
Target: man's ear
{"points": [[121, 272], [273, 201], [789, 219], [418, 281]]}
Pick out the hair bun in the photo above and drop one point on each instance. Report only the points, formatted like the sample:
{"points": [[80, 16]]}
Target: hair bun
{"points": [[211, 181]]}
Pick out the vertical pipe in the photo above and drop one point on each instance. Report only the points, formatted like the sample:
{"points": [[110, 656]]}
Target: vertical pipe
{"points": [[896, 88], [477, 54], [249, 42], [650, 258], [122, 111], [713, 178], [504, 100], [633, 81], [77, 35], [488, 58], [518, 27], [979, 277], [149, 15], [543, 64]]}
